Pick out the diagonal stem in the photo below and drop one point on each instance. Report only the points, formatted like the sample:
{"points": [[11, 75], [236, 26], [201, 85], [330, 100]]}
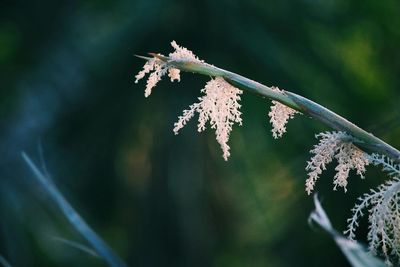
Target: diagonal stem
{"points": [[362, 138]]}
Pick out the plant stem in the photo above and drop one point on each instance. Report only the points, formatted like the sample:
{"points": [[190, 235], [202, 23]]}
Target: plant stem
{"points": [[361, 138]]}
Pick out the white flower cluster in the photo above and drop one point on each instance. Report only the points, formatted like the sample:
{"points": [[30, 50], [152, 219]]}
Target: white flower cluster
{"points": [[158, 68], [336, 145], [220, 103], [383, 206], [279, 116], [220, 106]]}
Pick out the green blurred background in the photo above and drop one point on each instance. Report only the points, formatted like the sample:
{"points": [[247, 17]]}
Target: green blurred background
{"points": [[67, 87]]}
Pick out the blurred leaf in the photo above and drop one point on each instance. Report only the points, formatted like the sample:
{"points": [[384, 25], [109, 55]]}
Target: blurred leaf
{"points": [[4, 262], [354, 252], [76, 245], [74, 218]]}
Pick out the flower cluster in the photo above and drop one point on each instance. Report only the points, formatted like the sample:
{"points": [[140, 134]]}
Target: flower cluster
{"points": [[158, 68], [383, 206], [220, 103], [279, 116], [336, 145], [220, 106]]}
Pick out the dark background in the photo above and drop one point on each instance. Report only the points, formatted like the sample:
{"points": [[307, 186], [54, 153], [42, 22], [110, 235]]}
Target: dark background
{"points": [[67, 87]]}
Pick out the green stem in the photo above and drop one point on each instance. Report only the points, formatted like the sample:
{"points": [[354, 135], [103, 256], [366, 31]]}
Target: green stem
{"points": [[362, 138]]}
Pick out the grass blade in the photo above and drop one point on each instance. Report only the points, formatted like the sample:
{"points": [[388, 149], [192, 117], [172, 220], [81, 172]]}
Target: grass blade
{"points": [[4, 262], [76, 245], [73, 217]]}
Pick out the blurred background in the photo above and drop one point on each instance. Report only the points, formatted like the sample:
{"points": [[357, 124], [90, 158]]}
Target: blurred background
{"points": [[68, 98]]}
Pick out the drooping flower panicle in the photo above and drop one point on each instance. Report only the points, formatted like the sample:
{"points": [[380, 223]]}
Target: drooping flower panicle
{"points": [[336, 145], [220, 103], [158, 68], [279, 116], [383, 208], [220, 106]]}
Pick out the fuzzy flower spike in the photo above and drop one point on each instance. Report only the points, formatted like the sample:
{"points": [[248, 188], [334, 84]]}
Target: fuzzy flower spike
{"points": [[336, 145], [279, 116], [158, 68], [382, 207], [219, 105]]}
